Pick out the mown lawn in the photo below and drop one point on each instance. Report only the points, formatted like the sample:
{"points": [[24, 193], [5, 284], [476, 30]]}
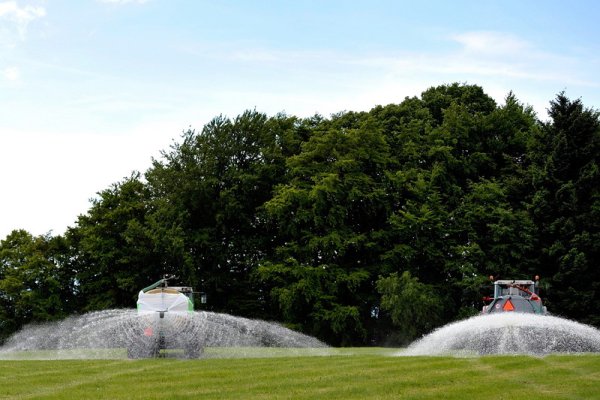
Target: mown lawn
{"points": [[346, 374]]}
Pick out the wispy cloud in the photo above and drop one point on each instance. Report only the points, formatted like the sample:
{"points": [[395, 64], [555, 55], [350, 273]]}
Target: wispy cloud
{"points": [[20, 16], [475, 54], [506, 55], [488, 55], [491, 43], [499, 61], [11, 74], [124, 1]]}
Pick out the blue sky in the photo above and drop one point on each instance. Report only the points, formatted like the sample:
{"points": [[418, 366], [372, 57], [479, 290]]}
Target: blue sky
{"points": [[90, 90]]}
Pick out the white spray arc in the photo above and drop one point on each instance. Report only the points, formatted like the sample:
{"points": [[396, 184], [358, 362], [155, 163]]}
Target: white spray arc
{"points": [[508, 333], [165, 321], [91, 335]]}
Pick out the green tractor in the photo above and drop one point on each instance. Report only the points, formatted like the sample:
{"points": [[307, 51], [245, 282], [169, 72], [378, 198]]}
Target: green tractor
{"points": [[164, 321], [521, 296]]}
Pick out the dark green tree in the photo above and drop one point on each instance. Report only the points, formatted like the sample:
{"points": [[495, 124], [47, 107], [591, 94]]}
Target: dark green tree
{"points": [[438, 99], [330, 218], [209, 191], [113, 251], [494, 239], [34, 285], [566, 207], [414, 307], [331, 225], [442, 185]]}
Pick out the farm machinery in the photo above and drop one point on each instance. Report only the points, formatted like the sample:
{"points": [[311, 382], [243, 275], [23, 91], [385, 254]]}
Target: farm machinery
{"points": [[164, 321], [521, 296]]}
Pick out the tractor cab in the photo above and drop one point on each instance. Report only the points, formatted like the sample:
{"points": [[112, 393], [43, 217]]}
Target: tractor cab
{"points": [[515, 296]]}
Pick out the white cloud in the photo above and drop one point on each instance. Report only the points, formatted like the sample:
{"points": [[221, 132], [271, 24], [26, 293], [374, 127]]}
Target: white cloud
{"points": [[123, 1], [330, 81], [11, 74], [20, 16], [507, 56], [497, 55], [491, 43], [489, 58]]}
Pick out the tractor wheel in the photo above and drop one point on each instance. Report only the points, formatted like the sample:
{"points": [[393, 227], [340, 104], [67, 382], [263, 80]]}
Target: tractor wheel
{"points": [[143, 349], [131, 353], [193, 351]]}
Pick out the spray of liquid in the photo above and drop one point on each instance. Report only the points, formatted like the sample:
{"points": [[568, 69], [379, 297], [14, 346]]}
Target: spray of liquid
{"points": [[106, 334], [508, 333]]}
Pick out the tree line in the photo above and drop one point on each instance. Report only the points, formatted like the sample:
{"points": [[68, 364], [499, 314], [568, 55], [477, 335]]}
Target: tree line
{"points": [[361, 228]]}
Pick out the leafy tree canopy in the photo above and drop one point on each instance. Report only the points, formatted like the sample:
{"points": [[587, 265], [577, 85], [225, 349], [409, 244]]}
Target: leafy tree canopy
{"points": [[360, 228]]}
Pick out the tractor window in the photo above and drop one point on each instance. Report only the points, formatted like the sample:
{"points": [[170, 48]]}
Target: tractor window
{"points": [[510, 291], [505, 291]]}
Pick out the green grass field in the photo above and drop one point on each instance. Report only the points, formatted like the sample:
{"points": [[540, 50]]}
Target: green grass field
{"points": [[344, 374]]}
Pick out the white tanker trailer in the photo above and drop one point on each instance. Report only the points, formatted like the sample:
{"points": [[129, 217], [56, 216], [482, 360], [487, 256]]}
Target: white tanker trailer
{"points": [[164, 321]]}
